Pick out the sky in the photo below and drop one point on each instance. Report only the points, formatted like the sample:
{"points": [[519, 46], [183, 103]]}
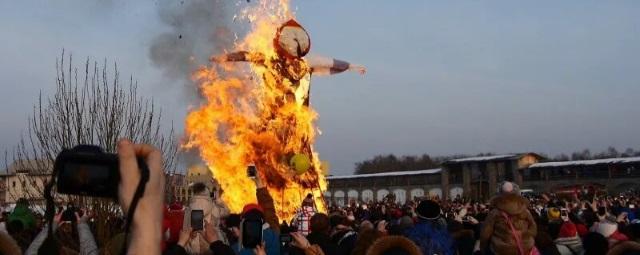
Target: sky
{"points": [[444, 77]]}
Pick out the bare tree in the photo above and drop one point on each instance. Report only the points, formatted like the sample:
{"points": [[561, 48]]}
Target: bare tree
{"points": [[90, 106]]}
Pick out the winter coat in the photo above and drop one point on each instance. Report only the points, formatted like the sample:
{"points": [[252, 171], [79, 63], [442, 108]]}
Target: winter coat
{"points": [[496, 233], [569, 245], [432, 237], [175, 216], [387, 243], [345, 241], [302, 219], [202, 201]]}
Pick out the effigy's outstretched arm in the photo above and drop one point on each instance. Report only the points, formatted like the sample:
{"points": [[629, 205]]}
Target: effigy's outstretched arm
{"points": [[239, 56], [328, 66]]}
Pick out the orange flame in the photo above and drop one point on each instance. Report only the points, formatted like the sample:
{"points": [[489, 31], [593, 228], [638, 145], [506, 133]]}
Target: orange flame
{"points": [[247, 120]]}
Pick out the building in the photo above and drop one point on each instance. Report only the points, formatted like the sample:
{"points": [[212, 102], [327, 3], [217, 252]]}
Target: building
{"points": [[24, 179], [478, 178], [616, 174], [374, 187]]}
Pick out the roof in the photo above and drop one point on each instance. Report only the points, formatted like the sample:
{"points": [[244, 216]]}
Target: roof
{"points": [[586, 162], [483, 158], [32, 166], [397, 173], [490, 158]]}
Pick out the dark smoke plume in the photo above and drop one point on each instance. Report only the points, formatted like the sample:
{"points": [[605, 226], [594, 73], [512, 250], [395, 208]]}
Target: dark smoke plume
{"points": [[197, 29]]}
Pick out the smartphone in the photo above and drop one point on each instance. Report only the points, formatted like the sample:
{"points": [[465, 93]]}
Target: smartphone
{"points": [[69, 214], [285, 240], [197, 220], [252, 171], [251, 233]]}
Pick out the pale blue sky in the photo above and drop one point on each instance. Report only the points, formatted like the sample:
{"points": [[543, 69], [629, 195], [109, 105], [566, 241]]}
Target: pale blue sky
{"points": [[444, 77]]}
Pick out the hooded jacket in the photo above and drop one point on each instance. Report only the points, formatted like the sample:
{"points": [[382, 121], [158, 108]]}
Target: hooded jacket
{"points": [[496, 232], [200, 201]]}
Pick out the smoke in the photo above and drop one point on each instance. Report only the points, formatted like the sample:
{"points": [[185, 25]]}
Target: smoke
{"points": [[197, 29]]}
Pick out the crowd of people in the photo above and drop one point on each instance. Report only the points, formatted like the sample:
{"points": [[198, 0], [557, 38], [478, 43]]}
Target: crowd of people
{"points": [[509, 223]]}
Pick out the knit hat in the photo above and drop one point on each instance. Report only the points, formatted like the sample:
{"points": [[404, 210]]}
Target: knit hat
{"points": [[553, 214], [509, 188], [428, 209], [22, 214], [252, 211], [250, 207], [568, 229]]}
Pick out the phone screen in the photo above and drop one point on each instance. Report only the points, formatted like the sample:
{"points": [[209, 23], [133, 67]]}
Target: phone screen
{"points": [[251, 233], [197, 219], [251, 171]]}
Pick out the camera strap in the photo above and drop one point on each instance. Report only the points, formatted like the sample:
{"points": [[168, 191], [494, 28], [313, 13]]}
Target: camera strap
{"points": [[144, 178]]}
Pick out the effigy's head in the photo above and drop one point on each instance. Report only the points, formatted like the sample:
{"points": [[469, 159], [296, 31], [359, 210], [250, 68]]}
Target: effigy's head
{"points": [[292, 40]]}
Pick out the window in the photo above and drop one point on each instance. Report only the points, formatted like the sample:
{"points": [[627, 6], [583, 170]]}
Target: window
{"points": [[13, 184]]}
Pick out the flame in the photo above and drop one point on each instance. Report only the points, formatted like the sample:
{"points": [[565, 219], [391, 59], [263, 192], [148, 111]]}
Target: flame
{"points": [[247, 119]]}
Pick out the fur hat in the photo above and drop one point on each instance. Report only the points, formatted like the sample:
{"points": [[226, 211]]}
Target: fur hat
{"points": [[393, 245], [428, 209]]}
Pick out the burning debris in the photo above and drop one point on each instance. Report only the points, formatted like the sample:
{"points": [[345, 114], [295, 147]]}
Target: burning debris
{"points": [[259, 112]]}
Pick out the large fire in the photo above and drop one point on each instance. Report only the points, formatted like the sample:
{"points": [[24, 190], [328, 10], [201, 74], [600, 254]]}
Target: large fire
{"points": [[249, 118]]}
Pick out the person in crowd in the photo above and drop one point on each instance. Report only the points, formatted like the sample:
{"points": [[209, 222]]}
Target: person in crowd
{"points": [[509, 228], [565, 236], [595, 244], [210, 234], [343, 234], [201, 200], [609, 229], [320, 229], [430, 231], [394, 245], [175, 218], [366, 238], [304, 214], [44, 244]]}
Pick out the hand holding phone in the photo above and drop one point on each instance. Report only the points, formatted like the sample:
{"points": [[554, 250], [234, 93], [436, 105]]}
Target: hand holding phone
{"points": [[252, 171]]}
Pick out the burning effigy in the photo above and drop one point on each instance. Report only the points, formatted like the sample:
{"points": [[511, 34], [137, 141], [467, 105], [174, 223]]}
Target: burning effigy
{"points": [[257, 112]]}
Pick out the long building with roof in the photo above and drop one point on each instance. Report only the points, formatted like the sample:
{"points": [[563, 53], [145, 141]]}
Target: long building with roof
{"points": [[478, 178]]}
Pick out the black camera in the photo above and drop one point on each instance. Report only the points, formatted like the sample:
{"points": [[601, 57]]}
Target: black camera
{"points": [[87, 170]]}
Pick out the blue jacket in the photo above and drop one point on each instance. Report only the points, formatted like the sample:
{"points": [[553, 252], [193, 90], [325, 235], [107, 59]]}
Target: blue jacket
{"points": [[431, 237]]}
